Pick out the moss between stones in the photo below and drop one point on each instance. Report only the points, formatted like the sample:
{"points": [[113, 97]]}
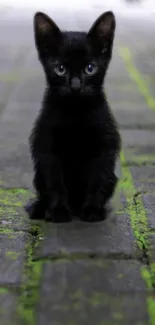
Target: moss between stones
{"points": [[118, 316], [136, 209], [10, 233], [140, 160], [14, 196], [146, 275], [137, 77], [3, 290], [139, 224], [32, 270], [151, 309], [31, 283], [133, 156], [97, 298]]}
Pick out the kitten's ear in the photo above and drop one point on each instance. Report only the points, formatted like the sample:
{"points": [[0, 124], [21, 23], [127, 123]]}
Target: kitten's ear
{"points": [[102, 31], [46, 31]]}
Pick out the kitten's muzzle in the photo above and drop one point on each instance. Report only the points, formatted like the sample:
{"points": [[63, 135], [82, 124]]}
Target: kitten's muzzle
{"points": [[75, 84]]}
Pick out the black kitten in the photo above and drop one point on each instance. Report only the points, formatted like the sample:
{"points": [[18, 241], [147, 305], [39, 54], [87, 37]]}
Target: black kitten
{"points": [[75, 140]]}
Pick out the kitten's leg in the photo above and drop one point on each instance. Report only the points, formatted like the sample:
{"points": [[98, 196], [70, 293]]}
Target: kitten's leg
{"points": [[101, 186], [51, 203]]}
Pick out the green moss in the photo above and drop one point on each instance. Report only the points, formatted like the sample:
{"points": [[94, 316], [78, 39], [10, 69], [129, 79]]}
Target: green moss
{"points": [[145, 272], [118, 316], [10, 233], [151, 309], [97, 298], [137, 77], [120, 275], [30, 294], [78, 294], [14, 197], [135, 207], [141, 160], [6, 231], [11, 199], [31, 284], [12, 255], [3, 290], [134, 156]]}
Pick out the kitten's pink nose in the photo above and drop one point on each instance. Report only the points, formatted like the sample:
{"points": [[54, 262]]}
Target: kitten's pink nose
{"points": [[75, 84]]}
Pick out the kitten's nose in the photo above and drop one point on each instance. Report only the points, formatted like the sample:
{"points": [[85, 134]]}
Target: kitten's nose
{"points": [[75, 84]]}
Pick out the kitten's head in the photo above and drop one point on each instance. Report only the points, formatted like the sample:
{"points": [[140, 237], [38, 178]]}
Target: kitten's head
{"points": [[75, 62]]}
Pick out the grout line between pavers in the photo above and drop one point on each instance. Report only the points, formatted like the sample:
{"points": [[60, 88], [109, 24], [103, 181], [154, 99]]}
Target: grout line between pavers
{"points": [[98, 258], [139, 223], [31, 281], [137, 77], [139, 219], [145, 127]]}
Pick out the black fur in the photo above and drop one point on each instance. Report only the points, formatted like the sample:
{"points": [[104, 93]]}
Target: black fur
{"points": [[75, 140]]}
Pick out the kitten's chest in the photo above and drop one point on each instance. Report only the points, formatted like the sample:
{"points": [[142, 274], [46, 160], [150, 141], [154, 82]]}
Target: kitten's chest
{"points": [[74, 140]]}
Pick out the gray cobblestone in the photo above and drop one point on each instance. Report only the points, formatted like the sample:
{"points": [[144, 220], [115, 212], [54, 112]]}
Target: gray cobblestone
{"points": [[88, 293], [111, 237]]}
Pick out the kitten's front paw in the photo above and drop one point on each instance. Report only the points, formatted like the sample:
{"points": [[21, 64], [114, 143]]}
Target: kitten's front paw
{"points": [[58, 214], [91, 213], [35, 209]]}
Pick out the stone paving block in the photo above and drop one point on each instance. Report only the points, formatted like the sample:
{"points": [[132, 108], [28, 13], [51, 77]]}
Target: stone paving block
{"points": [[87, 292], [131, 118], [117, 87], [144, 178], [15, 126], [119, 310], [10, 60], [13, 217], [111, 237], [12, 255], [16, 176], [17, 118], [12, 213], [144, 60], [140, 155], [31, 90], [148, 150], [16, 169], [117, 96], [117, 70], [149, 205], [132, 138], [8, 304]]}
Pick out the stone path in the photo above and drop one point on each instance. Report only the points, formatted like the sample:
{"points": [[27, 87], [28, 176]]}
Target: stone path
{"points": [[78, 273]]}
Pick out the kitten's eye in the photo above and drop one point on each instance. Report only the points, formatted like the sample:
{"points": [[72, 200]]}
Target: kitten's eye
{"points": [[91, 69], [60, 70]]}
